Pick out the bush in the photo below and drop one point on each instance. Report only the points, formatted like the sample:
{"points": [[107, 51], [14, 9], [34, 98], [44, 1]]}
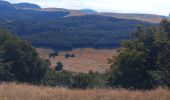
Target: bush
{"points": [[59, 79], [90, 80], [81, 81], [59, 66], [144, 61], [53, 55], [75, 80], [67, 55], [72, 55], [19, 61]]}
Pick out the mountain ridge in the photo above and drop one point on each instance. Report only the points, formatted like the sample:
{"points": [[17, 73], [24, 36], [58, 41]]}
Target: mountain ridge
{"points": [[60, 28], [26, 6], [152, 18]]}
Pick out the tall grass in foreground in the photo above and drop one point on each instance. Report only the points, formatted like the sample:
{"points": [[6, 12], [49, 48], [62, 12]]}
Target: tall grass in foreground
{"points": [[12, 91]]}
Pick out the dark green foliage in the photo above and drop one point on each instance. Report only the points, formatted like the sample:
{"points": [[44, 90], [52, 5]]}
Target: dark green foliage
{"points": [[166, 26], [59, 66], [60, 79], [75, 80], [161, 74], [76, 32], [53, 55], [144, 61], [19, 61], [97, 80], [67, 55], [130, 71], [81, 81], [90, 80], [73, 55]]}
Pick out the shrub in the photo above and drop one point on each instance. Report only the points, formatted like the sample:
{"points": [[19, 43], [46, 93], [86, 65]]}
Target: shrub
{"points": [[144, 61], [90, 80], [67, 55], [53, 55], [60, 79], [59, 66], [19, 61]]}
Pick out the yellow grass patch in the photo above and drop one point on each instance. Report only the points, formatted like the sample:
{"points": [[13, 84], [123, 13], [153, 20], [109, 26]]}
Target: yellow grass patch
{"points": [[12, 91], [85, 59]]}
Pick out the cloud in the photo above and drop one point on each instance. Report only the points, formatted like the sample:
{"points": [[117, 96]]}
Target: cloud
{"points": [[161, 7]]}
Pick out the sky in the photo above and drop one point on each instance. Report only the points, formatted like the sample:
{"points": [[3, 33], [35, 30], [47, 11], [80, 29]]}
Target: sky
{"points": [[160, 7]]}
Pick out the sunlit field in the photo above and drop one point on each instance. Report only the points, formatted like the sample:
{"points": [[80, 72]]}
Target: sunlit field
{"points": [[85, 59]]}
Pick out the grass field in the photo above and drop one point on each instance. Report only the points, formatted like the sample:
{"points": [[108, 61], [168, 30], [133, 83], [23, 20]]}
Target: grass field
{"points": [[13, 91], [85, 59]]}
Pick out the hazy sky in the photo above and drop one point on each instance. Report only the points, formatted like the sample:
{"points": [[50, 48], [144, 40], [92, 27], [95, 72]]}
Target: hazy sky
{"points": [[161, 7]]}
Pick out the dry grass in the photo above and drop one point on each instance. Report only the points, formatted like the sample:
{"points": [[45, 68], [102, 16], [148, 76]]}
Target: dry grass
{"points": [[12, 91], [86, 59]]}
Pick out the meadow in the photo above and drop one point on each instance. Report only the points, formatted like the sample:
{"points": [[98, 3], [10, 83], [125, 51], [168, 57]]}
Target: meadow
{"points": [[13, 91], [85, 60]]}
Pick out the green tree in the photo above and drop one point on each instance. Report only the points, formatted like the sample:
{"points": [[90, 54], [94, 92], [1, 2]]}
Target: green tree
{"points": [[19, 60], [144, 61], [89, 80], [60, 79], [59, 66], [81, 81]]}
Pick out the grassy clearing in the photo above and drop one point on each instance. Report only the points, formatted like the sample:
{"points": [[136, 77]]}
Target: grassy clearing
{"points": [[85, 59], [12, 91]]}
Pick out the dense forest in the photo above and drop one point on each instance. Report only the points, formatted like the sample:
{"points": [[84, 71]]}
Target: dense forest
{"points": [[54, 30]]}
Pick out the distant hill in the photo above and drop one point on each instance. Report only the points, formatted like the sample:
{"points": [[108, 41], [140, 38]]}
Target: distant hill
{"points": [[9, 11], [66, 29], [54, 9], [142, 17], [89, 11], [26, 6], [5, 5]]}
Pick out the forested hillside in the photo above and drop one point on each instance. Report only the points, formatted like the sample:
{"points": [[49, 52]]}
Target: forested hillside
{"points": [[86, 31], [52, 29]]}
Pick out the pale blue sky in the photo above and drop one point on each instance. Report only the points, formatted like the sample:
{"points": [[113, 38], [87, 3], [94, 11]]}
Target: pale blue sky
{"points": [[161, 7]]}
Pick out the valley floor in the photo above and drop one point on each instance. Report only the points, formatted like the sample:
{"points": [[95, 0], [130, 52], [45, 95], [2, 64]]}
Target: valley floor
{"points": [[12, 91], [85, 60]]}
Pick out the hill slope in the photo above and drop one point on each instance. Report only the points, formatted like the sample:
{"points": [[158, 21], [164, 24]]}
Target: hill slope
{"points": [[89, 11], [74, 32], [142, 17], [26, 6], [51, 28]]}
